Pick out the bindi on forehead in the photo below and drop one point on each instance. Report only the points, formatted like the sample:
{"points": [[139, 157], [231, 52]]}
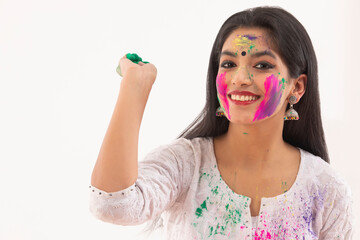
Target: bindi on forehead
{"points": [[247, 44]]}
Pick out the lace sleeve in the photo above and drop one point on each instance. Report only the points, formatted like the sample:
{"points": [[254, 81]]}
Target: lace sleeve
{"points": [[339, 218], [164, 174]]}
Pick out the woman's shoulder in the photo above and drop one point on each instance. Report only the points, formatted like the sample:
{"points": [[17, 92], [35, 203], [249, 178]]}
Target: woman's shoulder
{"points": [[196, 144], [324, 176], [195, 140], [184, 147]]}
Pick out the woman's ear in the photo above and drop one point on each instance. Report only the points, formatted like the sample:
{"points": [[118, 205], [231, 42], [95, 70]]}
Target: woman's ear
{"points": [[299, 87]]}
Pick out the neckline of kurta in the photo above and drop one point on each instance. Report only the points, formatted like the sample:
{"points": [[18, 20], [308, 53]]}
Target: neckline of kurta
{"points": [[265, 199]]}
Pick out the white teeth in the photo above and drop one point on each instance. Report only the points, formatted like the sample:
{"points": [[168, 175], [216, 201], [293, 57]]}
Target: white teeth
{"points": [[243, 98]]}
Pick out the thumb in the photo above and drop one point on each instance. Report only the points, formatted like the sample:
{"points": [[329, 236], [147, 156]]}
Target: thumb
{"points": [[123, 65]]}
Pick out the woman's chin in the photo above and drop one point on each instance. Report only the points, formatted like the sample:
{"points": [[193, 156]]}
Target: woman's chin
{"points": [[243, 120]]}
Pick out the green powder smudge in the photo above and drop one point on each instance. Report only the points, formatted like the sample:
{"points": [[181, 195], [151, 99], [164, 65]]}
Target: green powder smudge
{"points": [[215, 190], [199, 210], [211, 230]]}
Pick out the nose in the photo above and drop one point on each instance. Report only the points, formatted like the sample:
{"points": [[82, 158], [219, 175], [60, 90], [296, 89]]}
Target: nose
{"points": [[241, 77]]}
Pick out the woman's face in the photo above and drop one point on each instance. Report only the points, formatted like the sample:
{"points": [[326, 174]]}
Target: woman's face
{"points": [[252, 81]]}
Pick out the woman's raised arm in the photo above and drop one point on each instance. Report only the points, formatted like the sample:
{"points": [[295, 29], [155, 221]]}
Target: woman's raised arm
{"points": [[116, 167]]}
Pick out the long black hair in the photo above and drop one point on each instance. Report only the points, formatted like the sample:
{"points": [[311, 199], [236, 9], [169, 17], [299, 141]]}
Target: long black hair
{"points": [[293, 44]]}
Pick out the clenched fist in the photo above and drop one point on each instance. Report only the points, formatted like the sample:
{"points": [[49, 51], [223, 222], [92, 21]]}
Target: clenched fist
{"points": [[140, 73]]}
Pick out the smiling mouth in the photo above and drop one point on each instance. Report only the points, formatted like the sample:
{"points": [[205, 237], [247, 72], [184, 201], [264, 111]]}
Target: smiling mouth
{"points": [[243, 98]]}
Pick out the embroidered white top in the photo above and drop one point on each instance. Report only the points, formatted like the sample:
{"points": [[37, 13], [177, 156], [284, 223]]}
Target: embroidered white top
{"points": [[181, 183]]}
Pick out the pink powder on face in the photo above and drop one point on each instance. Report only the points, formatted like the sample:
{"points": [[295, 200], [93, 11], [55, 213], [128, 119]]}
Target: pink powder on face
{"points": [[222, 90], [273, 93]]}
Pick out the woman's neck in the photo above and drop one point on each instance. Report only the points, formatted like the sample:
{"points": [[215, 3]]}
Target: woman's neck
{"points": [[257, 144]]}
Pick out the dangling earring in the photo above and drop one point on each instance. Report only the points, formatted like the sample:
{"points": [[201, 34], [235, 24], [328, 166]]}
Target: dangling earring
{"points": [[291, 114], [219, 112]]}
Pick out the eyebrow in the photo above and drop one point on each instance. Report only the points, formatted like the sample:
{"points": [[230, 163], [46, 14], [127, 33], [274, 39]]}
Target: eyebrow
{"points": [[253, 55]]}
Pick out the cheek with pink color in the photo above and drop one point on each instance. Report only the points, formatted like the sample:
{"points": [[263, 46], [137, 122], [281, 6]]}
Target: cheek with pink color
{"points": [[273, 92], [221, 87]]}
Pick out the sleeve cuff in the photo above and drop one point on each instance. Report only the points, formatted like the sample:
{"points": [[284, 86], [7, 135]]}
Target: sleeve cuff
{"points": [[122, 193]]}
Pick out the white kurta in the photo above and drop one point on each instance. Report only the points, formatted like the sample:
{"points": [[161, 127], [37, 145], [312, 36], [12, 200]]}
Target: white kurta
{"points": [[181, 183]]}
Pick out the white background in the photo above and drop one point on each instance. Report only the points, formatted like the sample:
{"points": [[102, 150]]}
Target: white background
{"points": [[59, 87]]}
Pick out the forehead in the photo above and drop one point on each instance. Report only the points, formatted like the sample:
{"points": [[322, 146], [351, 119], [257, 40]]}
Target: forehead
{"points": [[242, 38]]}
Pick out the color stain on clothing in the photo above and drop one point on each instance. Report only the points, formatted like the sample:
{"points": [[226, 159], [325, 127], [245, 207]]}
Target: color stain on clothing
{"points": [[200, 209], [222, 90], [223, 214], [263, 235], [228, 206], [273, 92]]}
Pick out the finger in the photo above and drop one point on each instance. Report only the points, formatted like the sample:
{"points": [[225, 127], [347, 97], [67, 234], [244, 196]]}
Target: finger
{"points": [[125, 63]]}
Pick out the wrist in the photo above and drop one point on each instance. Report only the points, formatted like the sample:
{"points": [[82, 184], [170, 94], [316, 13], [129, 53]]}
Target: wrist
{"points": [[136, 86]]}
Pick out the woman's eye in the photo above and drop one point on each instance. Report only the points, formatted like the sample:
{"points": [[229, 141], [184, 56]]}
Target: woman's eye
{"points": [[228, 64], [264, 66]]}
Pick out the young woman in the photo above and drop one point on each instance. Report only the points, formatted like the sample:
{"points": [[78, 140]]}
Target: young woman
{"points": [[249, 167]]}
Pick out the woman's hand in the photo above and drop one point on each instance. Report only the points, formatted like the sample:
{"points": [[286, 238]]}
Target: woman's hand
{"points": [[140, 74]]}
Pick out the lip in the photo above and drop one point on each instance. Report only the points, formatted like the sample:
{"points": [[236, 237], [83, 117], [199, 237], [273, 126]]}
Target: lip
{"points": [[245, 93]]}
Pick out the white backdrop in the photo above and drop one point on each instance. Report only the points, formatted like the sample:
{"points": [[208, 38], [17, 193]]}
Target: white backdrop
{"points": [[59, 88]]}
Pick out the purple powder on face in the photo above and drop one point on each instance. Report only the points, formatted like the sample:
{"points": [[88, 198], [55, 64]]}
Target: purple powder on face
{"points": [[222, 90], [273, 93], [250, 37]]}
